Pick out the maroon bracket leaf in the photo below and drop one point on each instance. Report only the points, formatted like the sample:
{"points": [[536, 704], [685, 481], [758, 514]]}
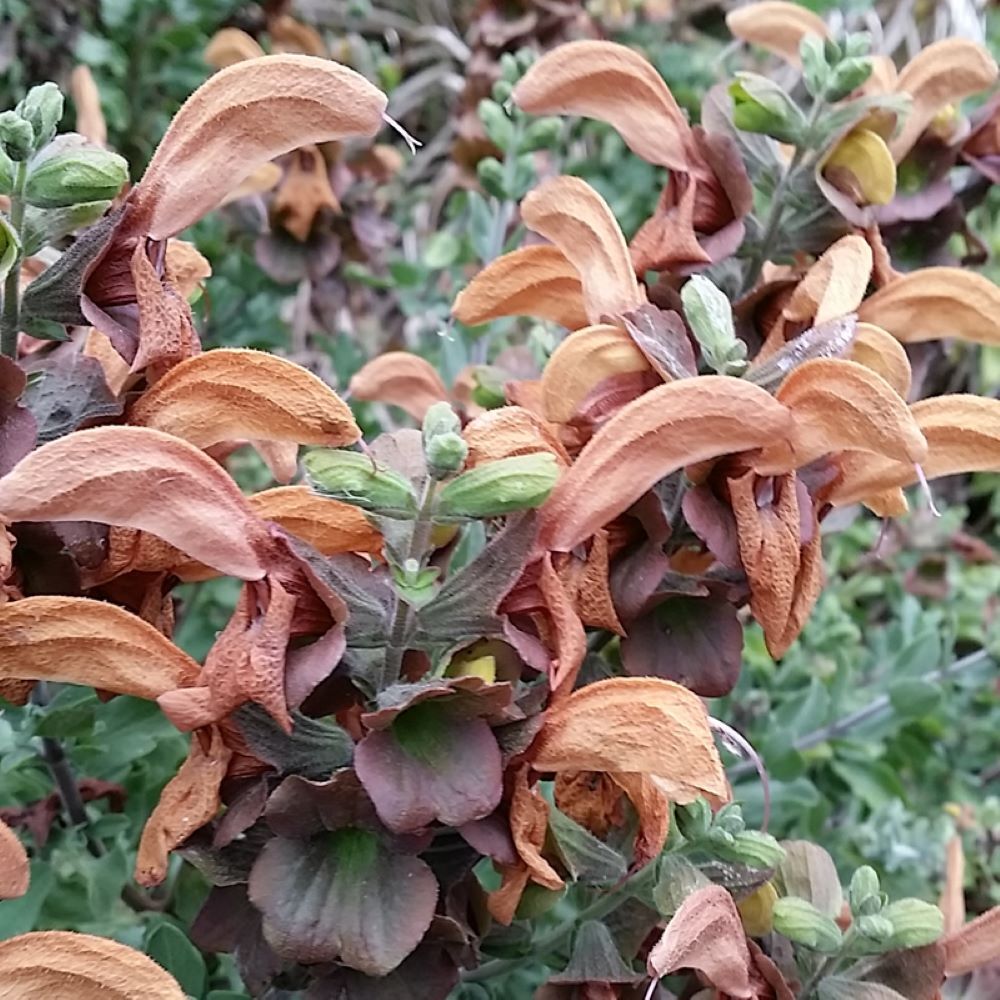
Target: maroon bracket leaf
{"points": [[344, 897], [431, 765]]}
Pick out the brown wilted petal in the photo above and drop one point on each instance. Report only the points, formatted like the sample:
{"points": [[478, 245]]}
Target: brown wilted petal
{"points": [[646, 725], [591, 799], [48, 963], [139, 478], [975, 945], [188, 801], [230, 46], [185, 267], [567, 642], [508, 431], [952, 901], [943, 73], [304, 193], [963, 435], [400, 379], [776, 26], [243, 116], [834, 285], [936, 302], [529, 821], [166, 330], [233, 394], [594, 603], [329, 526], [582, 361], [90, 121], [840, 405], [652, 806], [534, 281], [75, 640], [667, 428], [14, 868], [289, 35], [706, 934], [570, 213], [614, 84], [265, 178], [667, 240], [769, 536], [878, 350], [116, 369]]}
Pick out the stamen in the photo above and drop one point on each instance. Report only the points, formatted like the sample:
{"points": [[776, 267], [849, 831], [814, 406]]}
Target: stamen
{"points": [[412, 143], [739, 745], [926, 489]]}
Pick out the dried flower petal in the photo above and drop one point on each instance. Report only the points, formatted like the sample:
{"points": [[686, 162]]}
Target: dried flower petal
{"points": [[647, 725], [243, 116], [943, 73], [977, 944], [230, 46], [329, 526], [582, 361], [188, 801], [614, 84], [76, 640], [48, 963], [667, 428], [936, 302], [14, 868], [140, 478], [834, 285], [878, 350], [776, 26], [232, 394], [508, 431], [534, 281], [400, 379], [90, 121], [304, 193], [570, 213]]}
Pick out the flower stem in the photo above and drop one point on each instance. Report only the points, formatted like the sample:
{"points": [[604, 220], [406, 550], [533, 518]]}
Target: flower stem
{"points": [[10, 320]]}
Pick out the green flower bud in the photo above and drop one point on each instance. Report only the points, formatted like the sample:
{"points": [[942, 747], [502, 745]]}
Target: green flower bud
{"points": [[509, 69], [491, 176], [489, 389], [802, 923], [498, 126], [502, 487], [730, 818], [440, 418], [710, 316], [16, 135], [42, 107], [875, 931], [847, 77], [7, 173], [751, 847], [446, 454], [858, 44], [864, 894], [834, 53], [353, 478], [501, 91], [70, 170], [760, 105], [914, 923], [815, 70], [541, 134], [694, 820]]}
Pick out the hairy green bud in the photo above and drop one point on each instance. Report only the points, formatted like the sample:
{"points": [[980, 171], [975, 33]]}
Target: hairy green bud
{"points": [[541, 134], [446, 454], [354, 478], [490, 172], [70, 170], [489, 388], [16, 136], [42, 107], [760, 105], [498, 125], [875, 931], [694, 819], [710, 316], [440, 418], [864, 893], [501, 487], [7, 172], [751, 847], [847, 77], [802, 923], [914, 923]]}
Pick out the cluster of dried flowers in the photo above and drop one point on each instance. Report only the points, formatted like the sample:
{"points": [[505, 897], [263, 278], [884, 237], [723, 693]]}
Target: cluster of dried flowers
{"points": [[371, 724]]}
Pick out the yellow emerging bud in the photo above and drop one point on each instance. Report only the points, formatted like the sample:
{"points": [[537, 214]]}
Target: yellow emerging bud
{"points": [[757, 910], [862, 166], [480, 666]]}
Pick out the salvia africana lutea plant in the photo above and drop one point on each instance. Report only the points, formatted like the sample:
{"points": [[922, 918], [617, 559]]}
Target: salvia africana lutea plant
{"points": [[464, 680]]}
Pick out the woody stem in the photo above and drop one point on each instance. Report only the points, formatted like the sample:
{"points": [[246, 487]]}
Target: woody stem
{"points": [[10, 321]]}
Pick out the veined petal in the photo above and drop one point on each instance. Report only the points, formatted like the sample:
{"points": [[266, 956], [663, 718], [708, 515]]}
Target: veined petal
{"points": [[835, 285], [776, 26]]}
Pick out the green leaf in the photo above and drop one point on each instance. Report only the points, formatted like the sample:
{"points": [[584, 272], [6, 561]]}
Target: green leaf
{"points": [[314, 748], [587, 859], [46, 226], [875, 782], [168, 946], [595, 958], [10, 247], [914, 698], [443, 250], [842, 988], [18, 916]]}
